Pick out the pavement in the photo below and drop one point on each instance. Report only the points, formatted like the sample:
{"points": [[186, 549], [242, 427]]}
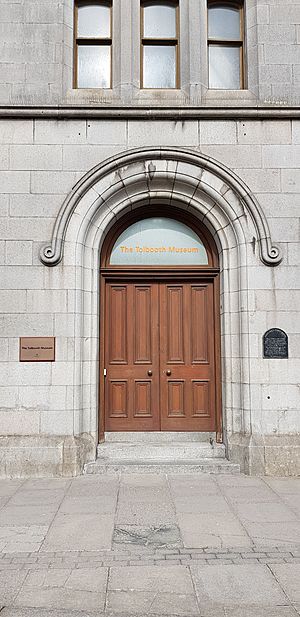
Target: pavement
{"points": [[150, 545]]}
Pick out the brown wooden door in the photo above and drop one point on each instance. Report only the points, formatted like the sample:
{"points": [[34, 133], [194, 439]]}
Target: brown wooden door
{"points": [[160, 357], [131, 357], [187, 363]]}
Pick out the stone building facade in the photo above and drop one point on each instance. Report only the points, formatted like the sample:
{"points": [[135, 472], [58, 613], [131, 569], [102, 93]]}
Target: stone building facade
{"points": [[75, 161]]}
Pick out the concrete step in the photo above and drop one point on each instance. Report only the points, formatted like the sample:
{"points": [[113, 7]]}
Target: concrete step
{"points": [[210, 466], [151, 452]]}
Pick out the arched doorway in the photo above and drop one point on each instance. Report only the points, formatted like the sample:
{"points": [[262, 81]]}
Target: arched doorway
{"points": [[159, 325], [213, 194]]}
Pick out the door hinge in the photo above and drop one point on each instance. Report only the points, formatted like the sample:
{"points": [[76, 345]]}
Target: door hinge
{"points": [[104, 372]]}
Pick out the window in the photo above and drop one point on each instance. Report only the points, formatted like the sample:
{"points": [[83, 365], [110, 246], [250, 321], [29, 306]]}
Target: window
{"points": [[159, 44], [225, 45], [93, 44], [158, 241]]}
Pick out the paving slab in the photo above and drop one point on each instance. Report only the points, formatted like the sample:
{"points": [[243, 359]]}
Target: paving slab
{"points": [[3, 501], [22, 538], [9, 487], [276, 534], [212, 529], [79, 532], [193, 485], [292, 501], [249, 494], [145, 481], [235, 586], [47, 484], [152, 589], [31, 497], [145, 504], [32, 514], [144, 494], [239, 480], [284, 486], [175, 579], [40, 612], [154, 514], [64, 588], [150, 603], [288, 576], [88, 486], [10, 583], [261, 512], [103, 504], [201, 504], [246, 611], [238, 536]]}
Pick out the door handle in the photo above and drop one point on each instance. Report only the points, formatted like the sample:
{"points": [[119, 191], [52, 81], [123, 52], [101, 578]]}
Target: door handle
{"points": [[150, 373], [168, 372]]}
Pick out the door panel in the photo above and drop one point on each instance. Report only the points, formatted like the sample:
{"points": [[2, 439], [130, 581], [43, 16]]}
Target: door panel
{"points": [[142, 399], [142, 324], [174, 324], [160, 357], [200, 394], [199, 332], [132, 358], [187, 387], [117, 343], [176, 399], [118, 399]]}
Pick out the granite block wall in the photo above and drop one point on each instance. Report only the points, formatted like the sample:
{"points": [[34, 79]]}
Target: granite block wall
{"points": [[41, 161]]}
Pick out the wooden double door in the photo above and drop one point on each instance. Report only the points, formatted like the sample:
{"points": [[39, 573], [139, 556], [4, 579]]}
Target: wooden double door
{"points": [[160, 356]]}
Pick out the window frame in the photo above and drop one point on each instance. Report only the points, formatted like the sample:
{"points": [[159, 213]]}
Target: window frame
{"points": [[164, 42], [94, 41], [238, 43]]}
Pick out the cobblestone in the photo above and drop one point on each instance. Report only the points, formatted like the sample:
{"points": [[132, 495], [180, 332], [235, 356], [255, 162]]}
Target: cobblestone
{"points": [[110, 558]]}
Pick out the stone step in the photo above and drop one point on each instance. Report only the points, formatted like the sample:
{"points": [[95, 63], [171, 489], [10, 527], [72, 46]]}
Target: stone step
{"points": [[158, 437], [152, 452], [160, 453], [209, 466]]}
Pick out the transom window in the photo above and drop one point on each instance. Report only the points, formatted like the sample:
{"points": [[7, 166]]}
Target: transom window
{"points": [[159, 44], [225, 45], [93, 45], [158, 241]]}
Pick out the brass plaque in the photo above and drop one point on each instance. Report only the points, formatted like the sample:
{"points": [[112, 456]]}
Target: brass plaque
{"points": [[37, 349]]}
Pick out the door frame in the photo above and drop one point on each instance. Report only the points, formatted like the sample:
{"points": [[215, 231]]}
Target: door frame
{"points": [[198, 274]]}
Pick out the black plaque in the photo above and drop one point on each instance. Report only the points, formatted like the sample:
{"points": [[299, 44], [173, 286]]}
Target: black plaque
{"points": [[275, 344]]}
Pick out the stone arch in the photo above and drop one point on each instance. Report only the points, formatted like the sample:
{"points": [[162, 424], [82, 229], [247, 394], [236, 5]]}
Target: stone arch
{"points": [[166, 170], [185, 179]]}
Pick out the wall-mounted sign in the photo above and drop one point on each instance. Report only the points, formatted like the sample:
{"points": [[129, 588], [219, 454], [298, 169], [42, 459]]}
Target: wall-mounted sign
{"points": [[158, 241], [275, 344], [37, 349]]}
